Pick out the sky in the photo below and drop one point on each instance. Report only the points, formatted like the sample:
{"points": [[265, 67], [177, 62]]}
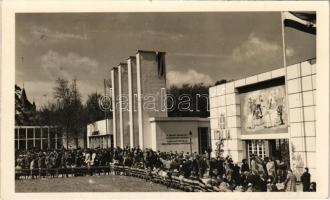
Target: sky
{"points": [[200, 47]]}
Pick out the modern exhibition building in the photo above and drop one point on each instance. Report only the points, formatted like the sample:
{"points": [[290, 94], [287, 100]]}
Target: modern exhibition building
{"points": [[271, 114], [139, 107]]}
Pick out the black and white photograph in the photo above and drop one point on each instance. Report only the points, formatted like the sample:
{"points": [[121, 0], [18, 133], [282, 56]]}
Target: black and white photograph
{"points": [[166, 101]]}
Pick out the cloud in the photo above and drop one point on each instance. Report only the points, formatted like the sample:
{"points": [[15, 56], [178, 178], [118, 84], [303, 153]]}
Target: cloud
{"points": [[254, 50], [43, 33], [163, 35], [41, 92], [189, 77], [199, 55], [23, 40], [289, 51], [68, 66]]}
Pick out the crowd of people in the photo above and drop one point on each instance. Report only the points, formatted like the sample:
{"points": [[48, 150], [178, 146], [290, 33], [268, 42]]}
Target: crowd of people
{"points": [[220, 173]]}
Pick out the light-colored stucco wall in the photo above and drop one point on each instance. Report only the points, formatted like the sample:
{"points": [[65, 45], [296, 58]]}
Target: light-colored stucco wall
{"points": [[301, 97], [132, 92], [123, 106], [115, 106], [180, 126], [149, 88]]}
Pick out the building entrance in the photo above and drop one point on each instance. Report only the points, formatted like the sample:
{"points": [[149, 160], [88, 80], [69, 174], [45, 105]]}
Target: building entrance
{"points": [[203, 139], [101, 141], [277, 149]]}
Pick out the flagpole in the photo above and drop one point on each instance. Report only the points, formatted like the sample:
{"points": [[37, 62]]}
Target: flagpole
{"points": [[286, 87], [105, 111]]}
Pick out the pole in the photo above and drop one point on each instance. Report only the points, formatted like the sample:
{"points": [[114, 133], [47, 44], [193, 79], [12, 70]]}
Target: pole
{"points": [[105, 111], [286, 86], [190, 133]]}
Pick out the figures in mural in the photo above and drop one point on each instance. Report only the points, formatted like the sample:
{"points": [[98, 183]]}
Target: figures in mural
{"points": [[264, 109]]}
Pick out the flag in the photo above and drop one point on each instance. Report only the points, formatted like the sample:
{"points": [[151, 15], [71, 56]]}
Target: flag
{"points": [[303, 21], [161, 64]]}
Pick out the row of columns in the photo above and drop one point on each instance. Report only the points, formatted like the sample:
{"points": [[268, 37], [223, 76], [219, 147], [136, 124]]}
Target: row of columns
{"points": [[131, 81]]}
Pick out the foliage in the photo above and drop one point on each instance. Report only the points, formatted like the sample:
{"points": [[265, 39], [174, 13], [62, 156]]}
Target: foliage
{"points": [[194, 97], [25, 112], [219, 148], [66, 110], [93, 111], [70, 110], [219, 82]]}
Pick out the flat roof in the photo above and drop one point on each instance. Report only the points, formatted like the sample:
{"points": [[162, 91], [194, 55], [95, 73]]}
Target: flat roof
{"points": [[37, 126], [179, 119], [99, 121]]}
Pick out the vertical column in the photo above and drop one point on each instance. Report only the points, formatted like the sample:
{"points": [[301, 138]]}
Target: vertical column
{"points": [[41, 137], [150, 80], [115, 113], [132, 94], [56, 138], [48, 139], [18, 138], [26, 140], [123, 105], [139, 99], [34, 137], [88, 134]]}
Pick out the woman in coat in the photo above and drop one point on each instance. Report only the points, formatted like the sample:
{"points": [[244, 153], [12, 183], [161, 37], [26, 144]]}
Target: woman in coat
{"points": [[290, 182]]}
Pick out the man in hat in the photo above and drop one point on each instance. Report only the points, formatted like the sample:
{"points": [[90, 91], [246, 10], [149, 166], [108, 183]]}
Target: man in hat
{"points": [[306, 180]]}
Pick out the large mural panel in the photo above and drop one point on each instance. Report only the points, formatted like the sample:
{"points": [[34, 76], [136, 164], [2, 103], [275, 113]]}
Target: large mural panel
{"points": [[264, 111]]}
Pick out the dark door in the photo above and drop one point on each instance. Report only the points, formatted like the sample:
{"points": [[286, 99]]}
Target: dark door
{"points": [[203, 139]]}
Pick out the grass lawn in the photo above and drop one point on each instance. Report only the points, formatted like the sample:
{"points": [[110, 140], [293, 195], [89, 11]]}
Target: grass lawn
{"points": [[108, 183]]}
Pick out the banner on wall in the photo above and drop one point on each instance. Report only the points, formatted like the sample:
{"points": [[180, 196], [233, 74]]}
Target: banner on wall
{"points": [[264, 111]]}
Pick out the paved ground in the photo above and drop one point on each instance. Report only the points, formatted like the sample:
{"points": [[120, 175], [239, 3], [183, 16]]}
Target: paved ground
{"points": [[109, 183]]}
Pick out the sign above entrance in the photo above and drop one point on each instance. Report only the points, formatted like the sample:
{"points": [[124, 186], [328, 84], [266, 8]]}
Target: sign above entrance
{"points": [[264, 111]]}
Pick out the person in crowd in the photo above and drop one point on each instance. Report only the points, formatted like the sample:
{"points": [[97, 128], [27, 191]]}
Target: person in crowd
{"points": [[220, 166], [202, 166], [245, 166], [290, 182], [312, 187], [270, 165], [161, 167], [306, 180], [253, 163]]}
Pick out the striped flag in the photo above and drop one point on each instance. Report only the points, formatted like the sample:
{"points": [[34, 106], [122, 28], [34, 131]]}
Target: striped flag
{"points": [[303, 21]]}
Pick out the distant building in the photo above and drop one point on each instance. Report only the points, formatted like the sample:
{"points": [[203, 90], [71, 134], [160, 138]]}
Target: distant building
{"points": [[24, 110], [99, 134], [38, 137]]}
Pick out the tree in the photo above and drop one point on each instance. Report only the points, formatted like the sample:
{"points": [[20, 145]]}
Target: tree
{"points": [[25, 111], [196, 97], [47, 115], [70, 111], [93, 109], [219, 82]]}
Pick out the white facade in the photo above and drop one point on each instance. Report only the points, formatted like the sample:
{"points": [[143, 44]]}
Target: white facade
{"points": [[299, 81], [173, 134], [99, 134]]}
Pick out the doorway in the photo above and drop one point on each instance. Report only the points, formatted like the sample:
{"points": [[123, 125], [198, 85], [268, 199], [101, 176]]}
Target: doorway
{"points": [[277, 149], [203, 139]]}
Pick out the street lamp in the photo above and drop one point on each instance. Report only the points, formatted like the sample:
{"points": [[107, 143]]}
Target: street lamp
{"points": [[190, 134]]}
